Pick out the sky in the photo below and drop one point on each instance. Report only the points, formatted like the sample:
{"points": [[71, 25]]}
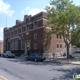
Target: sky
{"points": [[12, 10]]}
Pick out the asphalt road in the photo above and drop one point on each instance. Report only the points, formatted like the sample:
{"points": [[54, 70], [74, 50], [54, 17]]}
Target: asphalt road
{"points": [[19, 69]]}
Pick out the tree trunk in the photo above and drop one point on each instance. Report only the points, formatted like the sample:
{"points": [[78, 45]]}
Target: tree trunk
{"points": [[67, 52]]}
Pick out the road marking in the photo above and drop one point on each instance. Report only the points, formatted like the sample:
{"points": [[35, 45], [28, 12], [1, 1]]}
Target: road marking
{"points": [[3, 78]]}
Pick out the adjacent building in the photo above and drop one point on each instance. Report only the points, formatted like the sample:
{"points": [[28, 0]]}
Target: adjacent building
{"points": [[1, 46], [29, 34]]}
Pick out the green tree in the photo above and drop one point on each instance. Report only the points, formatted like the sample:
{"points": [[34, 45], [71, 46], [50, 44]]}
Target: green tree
{"points": [[75, 41], [64, 18]]}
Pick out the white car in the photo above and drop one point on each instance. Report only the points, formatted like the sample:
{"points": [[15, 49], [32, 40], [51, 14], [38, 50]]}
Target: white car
{"points": [[75, 54], [8, 54]]}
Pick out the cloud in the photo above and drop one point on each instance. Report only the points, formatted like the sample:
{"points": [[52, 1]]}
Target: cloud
{"points": [[25, 10], [34, 11], [29, 11], [5, 8], [1, 33]]}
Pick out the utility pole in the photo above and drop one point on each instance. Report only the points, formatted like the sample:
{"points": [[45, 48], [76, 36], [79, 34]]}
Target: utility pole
{"points": [[6, 21]]}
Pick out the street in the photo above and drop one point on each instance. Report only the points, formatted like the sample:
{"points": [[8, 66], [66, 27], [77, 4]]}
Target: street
{"points": [[19, 69]]}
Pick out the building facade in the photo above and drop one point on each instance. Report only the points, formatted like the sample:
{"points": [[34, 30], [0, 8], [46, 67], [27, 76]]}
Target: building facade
{"points": [[1, 46], [29, 34]]}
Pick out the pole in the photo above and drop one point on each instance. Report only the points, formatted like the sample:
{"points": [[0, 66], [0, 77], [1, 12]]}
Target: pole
{"points": [[6, 21]]}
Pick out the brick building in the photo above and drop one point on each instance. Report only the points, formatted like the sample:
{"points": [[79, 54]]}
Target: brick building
{"points": [[29, 34]]}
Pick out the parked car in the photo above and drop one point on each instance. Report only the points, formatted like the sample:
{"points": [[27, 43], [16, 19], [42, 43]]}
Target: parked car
{"points": [[8, 54], [35, 57], [75, 54]]}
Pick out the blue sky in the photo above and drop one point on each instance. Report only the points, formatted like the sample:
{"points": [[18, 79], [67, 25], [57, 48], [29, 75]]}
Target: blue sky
{"points": [[16, 9]]}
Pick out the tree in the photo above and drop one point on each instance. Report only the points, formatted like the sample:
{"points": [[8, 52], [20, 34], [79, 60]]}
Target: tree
{"points": [[74, 35], [64, 18]]}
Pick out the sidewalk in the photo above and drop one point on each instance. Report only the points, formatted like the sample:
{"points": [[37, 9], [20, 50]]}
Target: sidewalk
{"points": [[64, 62], [75, 62]]}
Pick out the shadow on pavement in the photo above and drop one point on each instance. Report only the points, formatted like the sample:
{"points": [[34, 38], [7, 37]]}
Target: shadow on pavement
{"points": [[68, 73], [22, 61]]}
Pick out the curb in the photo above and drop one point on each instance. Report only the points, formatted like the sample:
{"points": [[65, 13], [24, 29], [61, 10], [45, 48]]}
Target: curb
{"points": [[74, 63], [62, 62]]}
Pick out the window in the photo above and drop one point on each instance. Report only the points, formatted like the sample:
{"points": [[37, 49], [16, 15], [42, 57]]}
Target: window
{"points": [[76, 52], [57, 36], [12, 33], [19, 30], [27, 28], [35, 46], [57, 45], [15, 32], [60, 46], [35, 25], [22, 29], [16, 44], [60, 37], [8, 34], [35, 36]]}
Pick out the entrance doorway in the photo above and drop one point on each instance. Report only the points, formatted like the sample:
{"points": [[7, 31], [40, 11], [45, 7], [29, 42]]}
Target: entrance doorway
{"points": [[27, 46]]}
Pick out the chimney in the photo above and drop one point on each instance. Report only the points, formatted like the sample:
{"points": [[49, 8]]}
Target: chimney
{"points": [[18, 22], [27, 18]]}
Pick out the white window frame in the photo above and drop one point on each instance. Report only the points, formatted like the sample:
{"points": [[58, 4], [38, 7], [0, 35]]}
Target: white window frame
{"points": [[35, 36], [58, 46], [35, 25], [35, 46], [27, 28]]}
